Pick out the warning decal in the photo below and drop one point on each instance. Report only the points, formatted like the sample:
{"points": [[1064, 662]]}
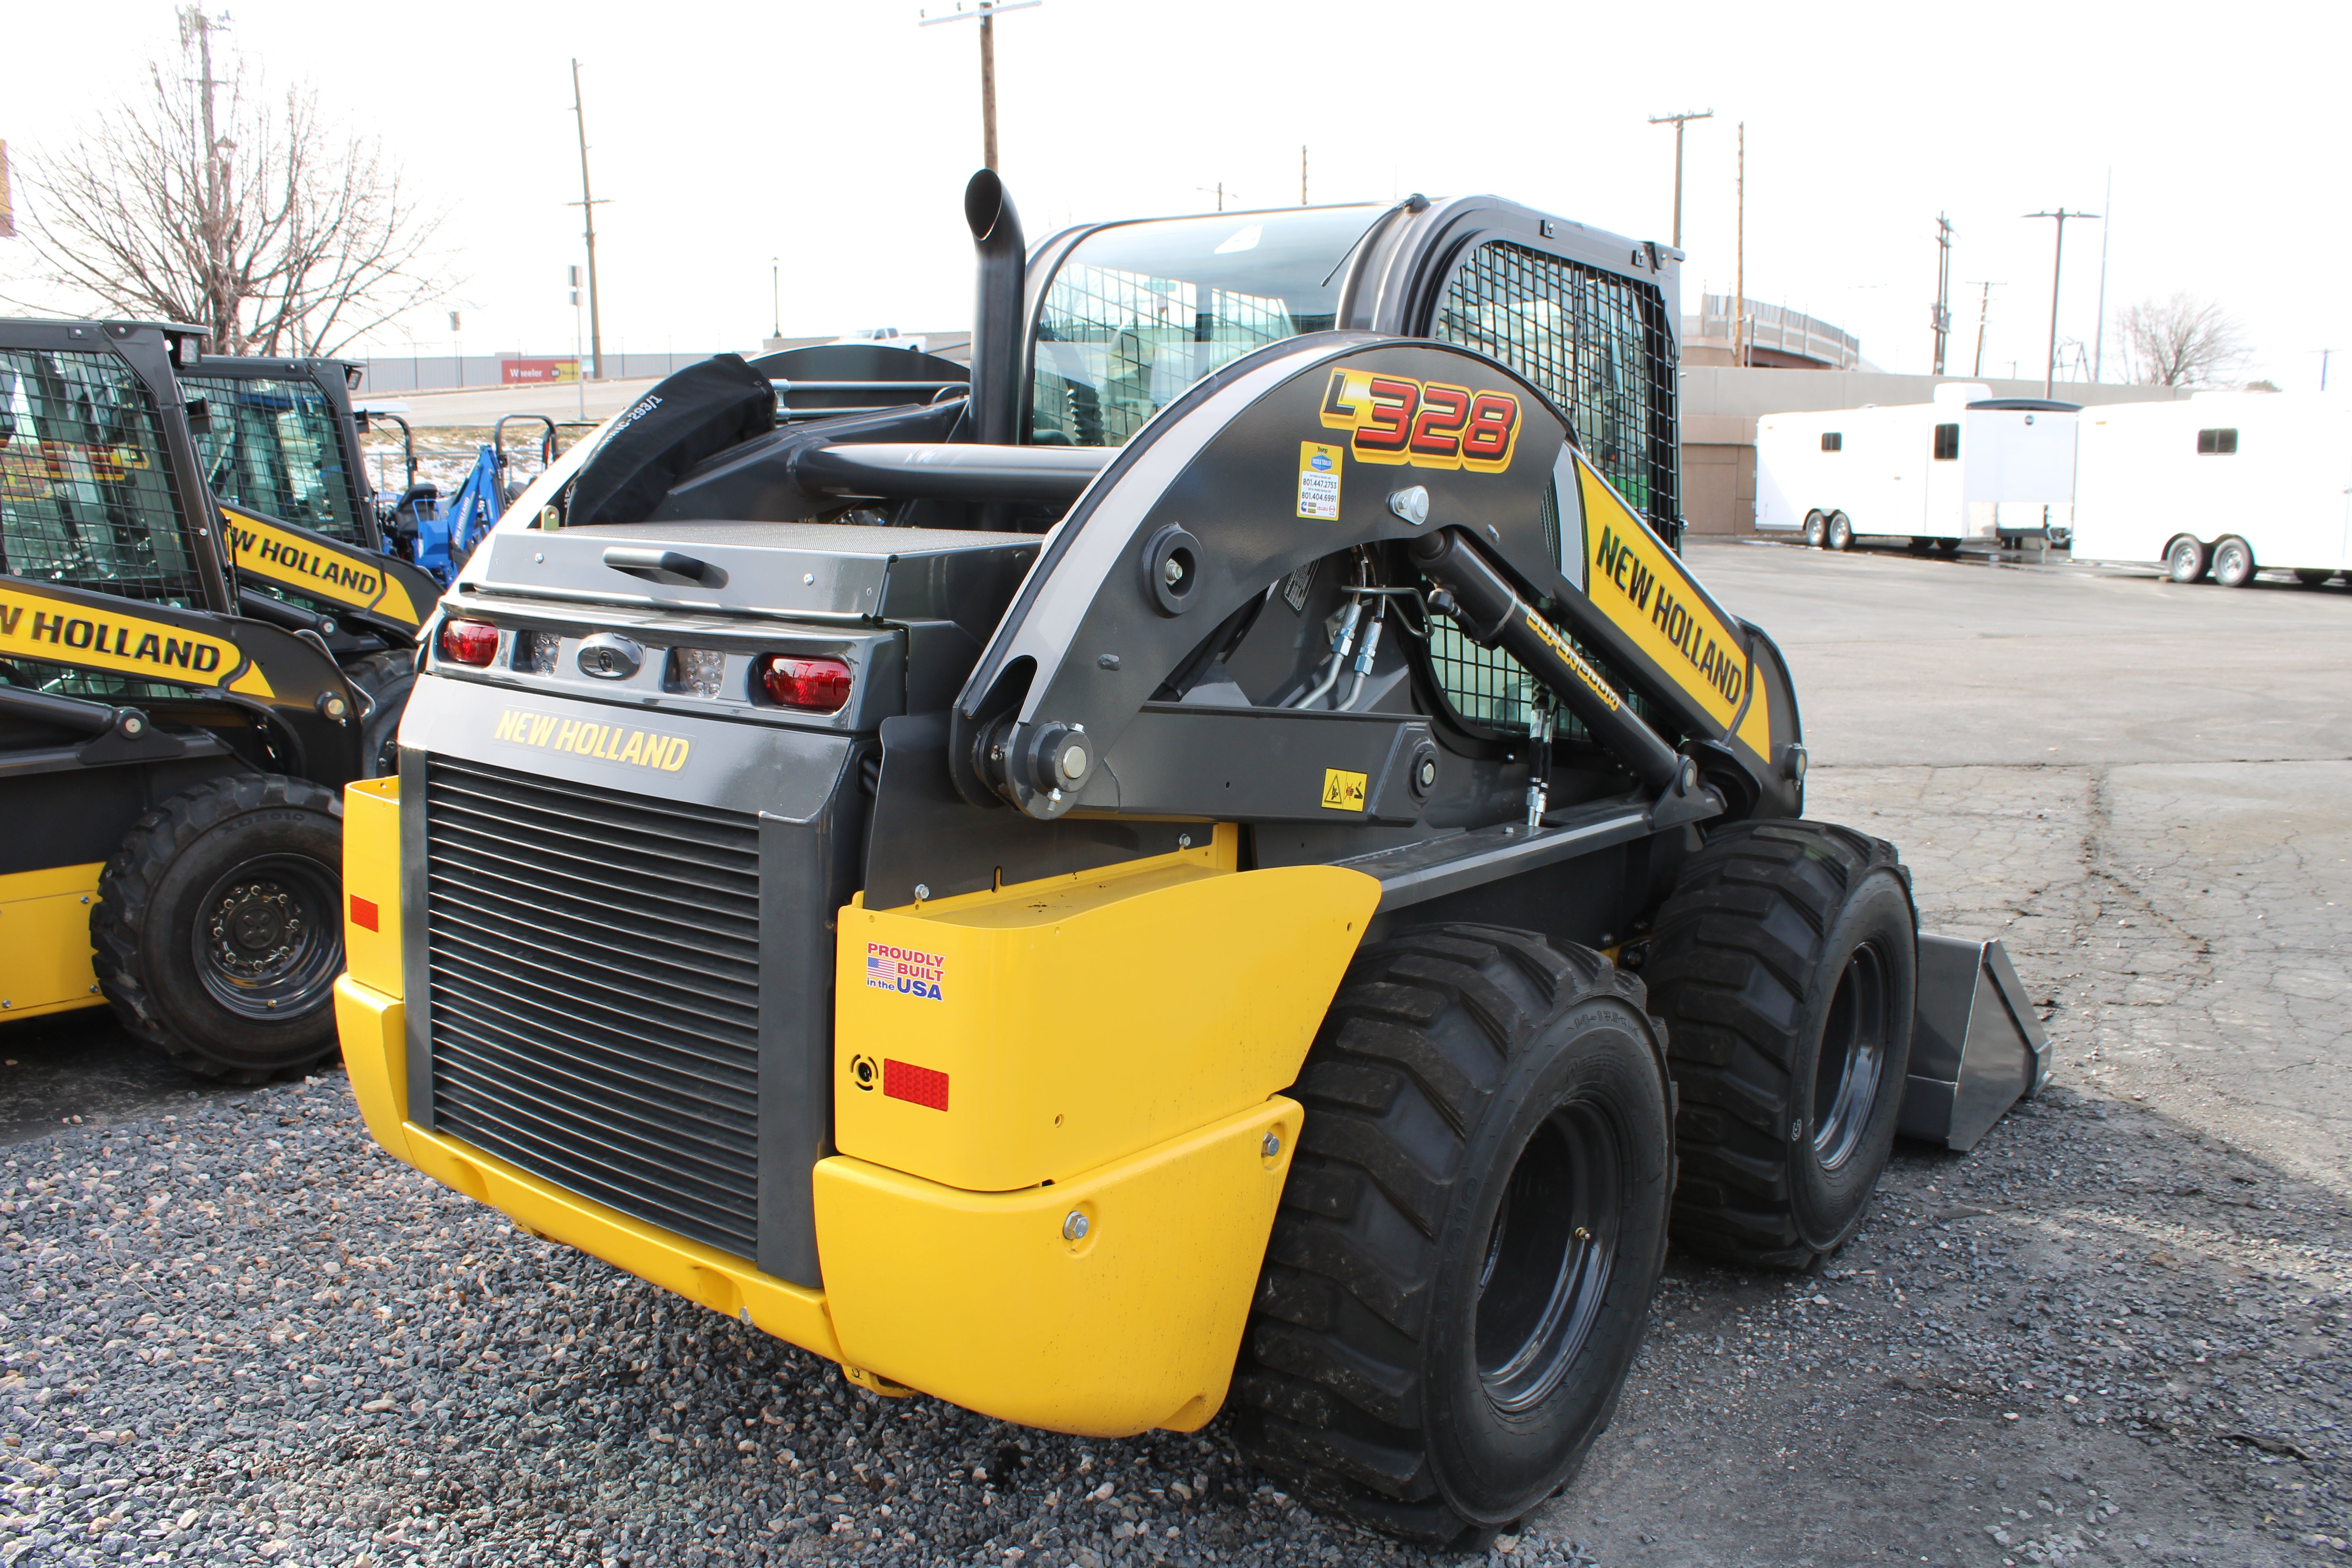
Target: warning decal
{"points": [[1343, 791], [1319, 480], [889, 967]]}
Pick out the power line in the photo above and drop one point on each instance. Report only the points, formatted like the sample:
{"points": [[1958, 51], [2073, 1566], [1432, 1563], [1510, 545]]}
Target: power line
{"points": [[1676, 120]]}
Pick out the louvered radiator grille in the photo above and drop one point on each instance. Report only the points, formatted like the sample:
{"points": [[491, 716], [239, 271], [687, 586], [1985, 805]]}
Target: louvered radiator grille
{"points": [[594, 963]]}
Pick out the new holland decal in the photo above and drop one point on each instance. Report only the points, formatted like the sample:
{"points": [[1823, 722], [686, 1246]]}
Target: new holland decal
{"points": [[606, 742], [1641, 588], [319, 568], [1394, 420], [56, 631]]}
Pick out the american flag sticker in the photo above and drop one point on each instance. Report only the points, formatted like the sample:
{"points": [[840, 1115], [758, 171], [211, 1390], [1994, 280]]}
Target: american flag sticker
{"points": [[906, 971]]}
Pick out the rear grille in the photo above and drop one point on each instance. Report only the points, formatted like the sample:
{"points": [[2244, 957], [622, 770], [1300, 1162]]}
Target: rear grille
{"points": [[594, 961]]}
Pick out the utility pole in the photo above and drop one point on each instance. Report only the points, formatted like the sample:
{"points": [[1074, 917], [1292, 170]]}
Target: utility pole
{"points": [[1302, 175], [1677, 120], [2057, 261], [194, 23], [987, 14], [1984, 309], [2099, 345], [1942, 319], [776, 295], [587, 204], [2323, 354], [1739, 259]]}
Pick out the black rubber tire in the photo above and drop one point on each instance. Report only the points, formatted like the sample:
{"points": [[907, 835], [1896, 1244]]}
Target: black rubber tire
{"points": [[2313, 576], [2186, 559], [1920, 544], [1841, 531], [1460, 1065], [1816, 529], [387, 678], [148, 934], [1778, 935], [1948, 546], [2233, 561]]}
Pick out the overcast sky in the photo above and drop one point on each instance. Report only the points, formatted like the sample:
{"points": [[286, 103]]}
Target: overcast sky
{"points": [[838, 137]]}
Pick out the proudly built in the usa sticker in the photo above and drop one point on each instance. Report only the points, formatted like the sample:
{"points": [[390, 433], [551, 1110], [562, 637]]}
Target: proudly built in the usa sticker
{"points": [[904, 969]]}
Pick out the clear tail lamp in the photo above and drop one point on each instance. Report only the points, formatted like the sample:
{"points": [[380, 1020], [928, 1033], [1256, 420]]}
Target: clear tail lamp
{"points": [[697, 672]]}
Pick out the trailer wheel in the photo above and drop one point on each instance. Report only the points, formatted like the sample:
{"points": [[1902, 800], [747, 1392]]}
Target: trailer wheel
{"points": [[1469, 1237], [1948, 546], [2233, 561], [387, 678], [1841, 531], [1785, 968], [1816, 529], [2313, 576], [218, 930], [1920, 544], [2185, 559]]}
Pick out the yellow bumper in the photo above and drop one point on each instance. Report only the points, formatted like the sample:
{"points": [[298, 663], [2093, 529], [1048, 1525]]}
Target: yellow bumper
{"points": [[1102, 1288]]}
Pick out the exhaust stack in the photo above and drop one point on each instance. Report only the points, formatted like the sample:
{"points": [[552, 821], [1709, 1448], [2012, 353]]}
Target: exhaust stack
{"points": [[1002, 263]]}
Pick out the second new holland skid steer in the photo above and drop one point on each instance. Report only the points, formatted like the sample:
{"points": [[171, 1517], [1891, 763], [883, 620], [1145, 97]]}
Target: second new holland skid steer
{"points": [[1230, 863]]}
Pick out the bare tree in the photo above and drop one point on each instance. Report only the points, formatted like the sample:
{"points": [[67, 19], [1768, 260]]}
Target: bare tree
{"points": [[2180, 342], [212, 201]]}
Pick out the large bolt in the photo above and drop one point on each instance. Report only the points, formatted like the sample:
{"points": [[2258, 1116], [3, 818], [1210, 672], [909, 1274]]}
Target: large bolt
{"points": [[1272, 1145], [1172, 572], [1074, 762], [1074, 1229]]}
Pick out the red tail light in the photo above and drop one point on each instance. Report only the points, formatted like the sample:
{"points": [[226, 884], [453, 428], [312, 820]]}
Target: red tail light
{"points": [[812, 685], [470, 642]]}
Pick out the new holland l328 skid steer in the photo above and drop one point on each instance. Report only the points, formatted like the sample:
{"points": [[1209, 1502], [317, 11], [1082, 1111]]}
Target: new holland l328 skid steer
{"points": [[1231, 861]]}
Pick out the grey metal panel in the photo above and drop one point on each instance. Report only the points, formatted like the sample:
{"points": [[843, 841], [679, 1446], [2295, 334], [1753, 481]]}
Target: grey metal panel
{"points": [[1976, 1046], [806, 871], [1416, 873], [925, 833], [810, 570], [415, 954], [1257, 764], [750, 768]]}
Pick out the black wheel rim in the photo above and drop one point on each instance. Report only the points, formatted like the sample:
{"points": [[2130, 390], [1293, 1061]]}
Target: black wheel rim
{"points": [[268, 943], [1853, 1058], [1549, 1253]]}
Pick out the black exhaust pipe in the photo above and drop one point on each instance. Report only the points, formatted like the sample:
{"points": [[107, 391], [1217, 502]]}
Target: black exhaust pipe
{"points": [[1003, 264]]}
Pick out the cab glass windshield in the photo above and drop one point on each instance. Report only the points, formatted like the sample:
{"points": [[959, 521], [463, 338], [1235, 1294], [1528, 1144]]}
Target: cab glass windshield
{"points": [[1137, 313], [273, 448]]}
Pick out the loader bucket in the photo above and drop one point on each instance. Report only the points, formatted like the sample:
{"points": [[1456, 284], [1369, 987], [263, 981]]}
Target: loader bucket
{"points": [[1976, 1046]]}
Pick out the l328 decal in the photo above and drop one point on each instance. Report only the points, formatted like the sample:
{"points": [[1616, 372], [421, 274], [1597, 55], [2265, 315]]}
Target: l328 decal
{"points": [[1395, 419]]}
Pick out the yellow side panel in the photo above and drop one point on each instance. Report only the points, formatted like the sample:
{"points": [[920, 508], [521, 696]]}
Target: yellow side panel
{"points": [[1001, 1040], [982, 1299], [376, 1055], [44, 940], [319, 568], [372, 884], [373, 1028], [1642, 586]]}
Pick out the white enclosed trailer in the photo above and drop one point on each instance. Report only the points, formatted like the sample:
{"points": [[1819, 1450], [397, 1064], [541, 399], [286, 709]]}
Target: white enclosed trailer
{"points": [[1966, 466], [2228, 482]]}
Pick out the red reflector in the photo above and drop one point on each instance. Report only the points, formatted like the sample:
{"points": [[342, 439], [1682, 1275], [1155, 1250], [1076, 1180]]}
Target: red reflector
{"points": [[919, 1086], [470, 642], [363, 912], [812, 685]]}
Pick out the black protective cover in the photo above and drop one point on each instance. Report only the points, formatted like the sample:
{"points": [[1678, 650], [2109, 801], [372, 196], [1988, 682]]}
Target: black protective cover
{"points": [[696, 414]]}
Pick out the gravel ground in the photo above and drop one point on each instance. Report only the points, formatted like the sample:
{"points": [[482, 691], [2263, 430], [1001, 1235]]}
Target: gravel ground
{"points": [[232, 1331]]}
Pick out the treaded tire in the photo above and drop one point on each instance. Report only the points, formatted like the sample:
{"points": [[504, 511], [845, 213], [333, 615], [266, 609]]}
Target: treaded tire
{"points": [[1474, 1094], [2186, 559], [1785, 965], [2233, 561], [1840, 535], [386, 678], [233, 834]]}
